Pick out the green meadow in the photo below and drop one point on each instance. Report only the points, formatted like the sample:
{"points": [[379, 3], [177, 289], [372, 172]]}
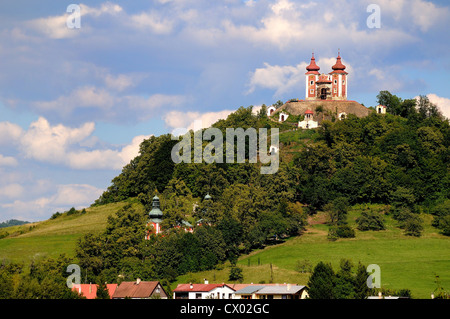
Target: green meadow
{"points": [[53, 237]]}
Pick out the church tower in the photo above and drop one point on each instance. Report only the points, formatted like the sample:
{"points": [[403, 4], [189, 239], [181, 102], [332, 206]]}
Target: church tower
{"points": [[338, 80], [311, 78], [155, 218]]}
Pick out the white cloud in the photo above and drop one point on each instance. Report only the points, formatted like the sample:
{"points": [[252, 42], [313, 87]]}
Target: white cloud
{"points": [[186, 120], [152, 21], [55, 27], [62, 145], [104, 104], [9, 133], [442, 102], [421, 14], [64, 197], [11, 191], [7, 161]]}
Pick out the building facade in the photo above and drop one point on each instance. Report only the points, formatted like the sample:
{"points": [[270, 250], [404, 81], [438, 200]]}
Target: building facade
{"points": [[331, 86]]}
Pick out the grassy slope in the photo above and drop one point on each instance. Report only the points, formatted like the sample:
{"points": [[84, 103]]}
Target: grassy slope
{"points": [[53, 237], [405, 262]]}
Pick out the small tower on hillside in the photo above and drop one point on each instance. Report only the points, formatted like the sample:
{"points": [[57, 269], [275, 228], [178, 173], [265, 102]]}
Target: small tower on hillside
{"points": [[311, 78], [338, 79], [155, 218]]}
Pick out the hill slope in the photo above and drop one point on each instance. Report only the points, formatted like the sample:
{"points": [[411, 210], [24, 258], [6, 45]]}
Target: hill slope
{"points": [[54, 236], [405, 262]]}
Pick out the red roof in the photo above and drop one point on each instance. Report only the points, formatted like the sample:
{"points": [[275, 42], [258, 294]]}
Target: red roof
{"points": [[309, 112], [90, 290], [197, 287], [312, 68], [133, 289], [323, 78], [338, 67]]}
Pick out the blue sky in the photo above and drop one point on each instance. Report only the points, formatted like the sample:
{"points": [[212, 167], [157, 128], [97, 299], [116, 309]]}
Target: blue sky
{"points": [[76, 103]]}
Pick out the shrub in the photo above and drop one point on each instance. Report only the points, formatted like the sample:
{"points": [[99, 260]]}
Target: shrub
{"points": [[413, 226], [370, 220], [236, 274], [345, 231]]}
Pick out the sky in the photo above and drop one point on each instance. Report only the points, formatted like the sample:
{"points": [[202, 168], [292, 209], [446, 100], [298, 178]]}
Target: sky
{"points": [[79, 93]]}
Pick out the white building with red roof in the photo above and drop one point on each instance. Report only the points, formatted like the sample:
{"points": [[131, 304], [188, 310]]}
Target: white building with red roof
{"points": [[203, 291]]}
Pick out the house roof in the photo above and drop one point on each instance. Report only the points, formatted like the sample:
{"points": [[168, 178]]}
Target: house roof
{"points": [[90, 290], [268, 289], [135, 289], [248, 290], [280, 290], [197, 287]]}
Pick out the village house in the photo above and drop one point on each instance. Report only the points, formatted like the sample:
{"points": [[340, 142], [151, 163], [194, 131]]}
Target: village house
{"points": [[139, 290], [203, 291], [270, 291], [89, 291]]}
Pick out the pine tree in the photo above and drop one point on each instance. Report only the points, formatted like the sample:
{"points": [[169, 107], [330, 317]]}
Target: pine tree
{"points": [[320, 284]]}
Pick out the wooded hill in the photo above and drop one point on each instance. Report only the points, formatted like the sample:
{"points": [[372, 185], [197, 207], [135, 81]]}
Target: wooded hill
{"points": [[399, 160]]}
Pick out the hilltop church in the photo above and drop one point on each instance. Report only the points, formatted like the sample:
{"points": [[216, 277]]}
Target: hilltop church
{"points": [[325, 98]]}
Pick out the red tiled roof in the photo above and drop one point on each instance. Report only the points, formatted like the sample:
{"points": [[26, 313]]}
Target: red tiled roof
{"points": [[338, 67], [197, 287], [90, 290], [312, 68], [131, 289], [309, 112], [323, 79]]}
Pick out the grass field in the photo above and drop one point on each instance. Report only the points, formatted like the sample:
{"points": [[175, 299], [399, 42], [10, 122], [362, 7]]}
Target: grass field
{"points": [[53, 237]]}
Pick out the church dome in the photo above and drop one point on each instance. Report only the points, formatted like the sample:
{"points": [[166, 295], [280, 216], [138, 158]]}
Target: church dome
{"points": [[338, 67], [312, 68], [156, 212]]}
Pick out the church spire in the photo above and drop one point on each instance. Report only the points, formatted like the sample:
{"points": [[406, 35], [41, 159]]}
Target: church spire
{"points": [[312, 68]]}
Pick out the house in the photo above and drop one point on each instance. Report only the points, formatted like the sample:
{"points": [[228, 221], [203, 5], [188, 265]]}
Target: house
{"points": [[203, 291], [89, 291], [283, 117], [308, 122], [271, 291], [139, 290], [381, 109], [270, 110]]}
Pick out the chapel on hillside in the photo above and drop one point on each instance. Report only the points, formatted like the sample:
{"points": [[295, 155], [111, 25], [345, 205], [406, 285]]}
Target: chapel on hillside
{"points": [[325, 98], [155, 217]]}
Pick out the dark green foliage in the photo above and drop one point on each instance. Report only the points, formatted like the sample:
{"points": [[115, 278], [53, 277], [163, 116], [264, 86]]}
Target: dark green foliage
{"points": [[441, 217], [370, 220], [324, 283], [12, 222], [320, 284], [236, 274]]}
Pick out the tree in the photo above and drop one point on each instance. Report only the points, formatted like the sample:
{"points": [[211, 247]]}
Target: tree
{"points": [[102, 291], [236, 274], [360, 282], [321, 281], [344, 283], [370, 220], [413, 225], [392, 102]]}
